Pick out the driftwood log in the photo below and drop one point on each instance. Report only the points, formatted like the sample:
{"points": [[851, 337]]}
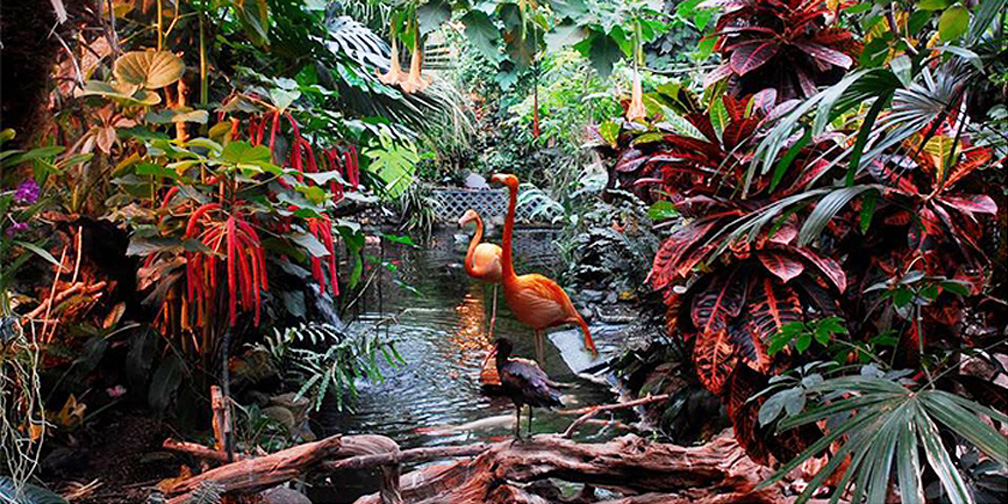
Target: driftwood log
{"points": [[646, 472], [199, 451], [259, 473]]}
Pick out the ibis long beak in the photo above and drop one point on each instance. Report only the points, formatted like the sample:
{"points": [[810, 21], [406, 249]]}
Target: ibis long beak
{"points": [[489, 356]]}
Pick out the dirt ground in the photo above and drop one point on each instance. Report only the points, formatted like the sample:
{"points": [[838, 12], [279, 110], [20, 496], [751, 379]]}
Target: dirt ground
{"points": [[120, 457]]}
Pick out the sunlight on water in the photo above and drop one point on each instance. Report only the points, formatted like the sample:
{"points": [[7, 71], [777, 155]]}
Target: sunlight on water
{"points": [[435, 397]]}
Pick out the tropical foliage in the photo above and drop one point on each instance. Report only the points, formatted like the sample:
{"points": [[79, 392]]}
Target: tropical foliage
{"points": [[808, 194]]}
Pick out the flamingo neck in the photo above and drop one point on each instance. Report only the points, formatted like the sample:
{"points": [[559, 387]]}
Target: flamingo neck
{"points": [[506, 258], [471, 252]]}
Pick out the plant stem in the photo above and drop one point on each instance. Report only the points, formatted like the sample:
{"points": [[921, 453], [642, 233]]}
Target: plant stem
{"points": [[204, 92], [160, 25], [920, 346]]}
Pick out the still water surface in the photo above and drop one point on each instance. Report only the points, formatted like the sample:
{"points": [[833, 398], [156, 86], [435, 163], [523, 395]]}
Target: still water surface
{"points": [[435, 397]]}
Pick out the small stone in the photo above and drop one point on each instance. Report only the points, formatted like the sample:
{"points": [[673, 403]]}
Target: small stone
{"points": [[592, 296], [283, 495]]}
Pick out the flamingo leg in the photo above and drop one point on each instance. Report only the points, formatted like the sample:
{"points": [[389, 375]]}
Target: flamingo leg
{"points": [[540, 348], [493, 313]]}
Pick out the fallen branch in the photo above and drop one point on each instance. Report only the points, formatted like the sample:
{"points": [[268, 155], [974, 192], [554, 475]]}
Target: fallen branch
{"points": [[595, 410], [59, 297], [261, 472], [644, 472], [405, 456], [199, 451]]}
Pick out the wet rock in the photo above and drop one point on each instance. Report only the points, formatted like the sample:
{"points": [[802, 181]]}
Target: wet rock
{"points": [[476, 181], [283, 495], [592, 296], [291, 401], [282, 415], [64, 459], [612, 297]]}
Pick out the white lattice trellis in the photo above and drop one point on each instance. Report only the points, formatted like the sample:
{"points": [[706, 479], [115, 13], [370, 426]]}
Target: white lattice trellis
{"points": [[488, 203]]}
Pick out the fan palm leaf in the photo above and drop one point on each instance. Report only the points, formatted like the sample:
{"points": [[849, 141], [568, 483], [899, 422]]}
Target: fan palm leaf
{"points": [[889, 425], [440, 105]]}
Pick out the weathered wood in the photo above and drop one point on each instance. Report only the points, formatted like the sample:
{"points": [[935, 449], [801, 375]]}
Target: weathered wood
{"points": [[221, 418], [595, 410], [377, 446], [261, 472], [404, 456], [647, 472], [199, 451]]}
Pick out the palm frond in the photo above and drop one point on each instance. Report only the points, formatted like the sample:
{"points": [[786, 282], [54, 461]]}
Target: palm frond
{"points": [[26, 493], [441, 106], [888, 425]]}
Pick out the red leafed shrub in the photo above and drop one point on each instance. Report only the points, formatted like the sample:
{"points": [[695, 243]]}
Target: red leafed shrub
{"points": [[760, 249], [788, 45]]}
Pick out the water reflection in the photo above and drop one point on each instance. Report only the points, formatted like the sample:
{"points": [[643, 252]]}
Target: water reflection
{"points": [[471, 340], [436, 397]]}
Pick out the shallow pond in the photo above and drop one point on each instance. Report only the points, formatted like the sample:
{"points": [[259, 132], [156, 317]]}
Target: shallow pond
{"points": [[435, 397]]}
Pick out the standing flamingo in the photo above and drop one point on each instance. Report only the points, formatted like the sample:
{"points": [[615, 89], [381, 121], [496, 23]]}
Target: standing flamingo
{"points": [[535, 300], [483, 260]]}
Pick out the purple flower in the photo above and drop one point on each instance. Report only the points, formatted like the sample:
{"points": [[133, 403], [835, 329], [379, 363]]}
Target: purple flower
{"points": [[27, 192], [17, 227]]}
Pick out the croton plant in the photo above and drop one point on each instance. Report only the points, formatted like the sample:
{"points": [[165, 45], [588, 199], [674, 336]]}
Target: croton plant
{"points": [[860, 204]]}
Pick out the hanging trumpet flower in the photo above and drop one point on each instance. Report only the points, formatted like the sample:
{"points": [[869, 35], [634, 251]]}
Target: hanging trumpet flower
{"points": [[636, 110], [414, 81], [394, 75]]}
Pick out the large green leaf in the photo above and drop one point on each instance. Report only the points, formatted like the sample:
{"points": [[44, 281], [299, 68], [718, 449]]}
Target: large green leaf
{"points": [[247, 156], [482, 33], [149, 69], [563, 36], [887, 423], [603, 52], [433, 14], [128, 93], [826, 209], [953, 23], [166, 380], [254, 17]]}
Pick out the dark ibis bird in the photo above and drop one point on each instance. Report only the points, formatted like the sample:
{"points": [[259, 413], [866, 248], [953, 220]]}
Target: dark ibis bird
{"points": [[524, 382]]}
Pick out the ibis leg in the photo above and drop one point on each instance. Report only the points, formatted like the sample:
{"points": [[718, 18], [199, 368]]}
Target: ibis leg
{"points": [[518, 421], [530, 423]]}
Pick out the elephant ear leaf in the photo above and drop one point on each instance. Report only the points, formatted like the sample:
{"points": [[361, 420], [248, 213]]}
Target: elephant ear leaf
{"points": [[27, 493], [150, 69], [165, 383]]}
